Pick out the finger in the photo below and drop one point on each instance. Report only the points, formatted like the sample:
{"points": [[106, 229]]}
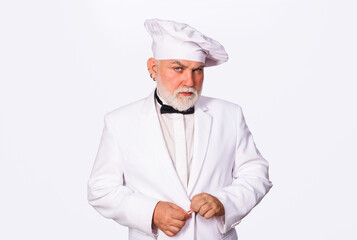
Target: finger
{"points": [[169, 233], [188, 215], [197, 203], [180, 214], [173, 229], [179, 210], [199, 196], [209, 214], [204, 209], [177, 223]]}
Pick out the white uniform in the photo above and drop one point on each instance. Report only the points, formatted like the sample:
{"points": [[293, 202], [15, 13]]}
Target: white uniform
{"points": [[133, 169]]}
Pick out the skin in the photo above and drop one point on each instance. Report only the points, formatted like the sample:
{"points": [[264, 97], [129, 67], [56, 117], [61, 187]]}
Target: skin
{"points": [[207, 205], [174, 74], [169, 218], [177, 73]]}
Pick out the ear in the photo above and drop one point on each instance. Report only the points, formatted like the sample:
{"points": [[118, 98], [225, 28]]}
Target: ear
{"points": [[152, 67]]}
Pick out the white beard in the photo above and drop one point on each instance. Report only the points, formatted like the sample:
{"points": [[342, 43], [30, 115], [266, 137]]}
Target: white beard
{"points": [[184, 102]]}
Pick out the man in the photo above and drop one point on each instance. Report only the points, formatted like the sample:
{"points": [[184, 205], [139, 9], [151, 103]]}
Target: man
{"points": [[176, 165]]}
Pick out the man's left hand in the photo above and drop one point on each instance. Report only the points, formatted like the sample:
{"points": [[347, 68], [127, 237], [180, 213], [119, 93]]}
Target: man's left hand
{"points": [[207, 205]]}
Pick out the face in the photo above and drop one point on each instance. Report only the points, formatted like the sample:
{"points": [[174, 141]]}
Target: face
{"points": [[179, 82]]}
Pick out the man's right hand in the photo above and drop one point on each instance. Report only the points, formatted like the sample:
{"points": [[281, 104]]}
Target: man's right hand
{"points": [[169, 218]]}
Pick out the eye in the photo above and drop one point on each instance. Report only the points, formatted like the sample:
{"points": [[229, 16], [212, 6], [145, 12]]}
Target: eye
{"points": [[198, 70], [178, 69]]}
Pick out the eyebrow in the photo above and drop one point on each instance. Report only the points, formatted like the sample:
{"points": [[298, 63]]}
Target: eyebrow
{"points": [[179, 63], [200, 67], [184, 66]]}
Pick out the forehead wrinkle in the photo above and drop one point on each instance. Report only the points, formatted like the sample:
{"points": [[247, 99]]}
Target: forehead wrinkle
{"points": [[179, 63], [184, 66]]}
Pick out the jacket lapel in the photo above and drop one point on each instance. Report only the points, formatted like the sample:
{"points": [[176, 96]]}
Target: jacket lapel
{"points": [[156, 142], [202, 132]]}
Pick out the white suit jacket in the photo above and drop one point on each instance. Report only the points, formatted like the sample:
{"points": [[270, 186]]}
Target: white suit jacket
{"points": [[133, 170]]}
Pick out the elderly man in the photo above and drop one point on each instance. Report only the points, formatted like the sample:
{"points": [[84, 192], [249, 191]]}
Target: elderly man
{"points": [[177, 165]]}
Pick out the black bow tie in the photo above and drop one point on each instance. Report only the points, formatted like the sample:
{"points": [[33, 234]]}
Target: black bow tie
{"points": [[168, 109]]}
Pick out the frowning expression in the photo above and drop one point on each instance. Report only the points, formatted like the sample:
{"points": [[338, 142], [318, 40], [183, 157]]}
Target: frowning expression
{"points": [[177, 74], [179, 82]]}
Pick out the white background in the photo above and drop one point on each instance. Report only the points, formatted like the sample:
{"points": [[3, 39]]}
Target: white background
{"points": [[292, 67]]}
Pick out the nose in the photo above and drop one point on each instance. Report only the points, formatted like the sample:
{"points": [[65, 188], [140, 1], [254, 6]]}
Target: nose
{"points": [[189, 79]]}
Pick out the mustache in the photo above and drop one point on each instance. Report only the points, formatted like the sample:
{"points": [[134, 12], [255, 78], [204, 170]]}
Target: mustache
{"points": [[186, 89]]}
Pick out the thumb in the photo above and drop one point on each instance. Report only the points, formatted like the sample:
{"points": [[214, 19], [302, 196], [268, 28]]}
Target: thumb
{"points": [[174, 206], [188, 214]]}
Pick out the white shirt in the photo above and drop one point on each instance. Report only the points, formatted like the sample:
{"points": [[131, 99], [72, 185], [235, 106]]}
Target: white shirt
{"points": [[178, 132]]}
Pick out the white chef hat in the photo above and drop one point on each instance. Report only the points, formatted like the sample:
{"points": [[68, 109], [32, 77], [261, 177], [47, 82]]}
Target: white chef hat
{"points": [[172, 40]]}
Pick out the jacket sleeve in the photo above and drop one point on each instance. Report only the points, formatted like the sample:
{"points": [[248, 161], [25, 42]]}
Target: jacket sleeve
{"points": [[250, 179], [107, 191]]}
